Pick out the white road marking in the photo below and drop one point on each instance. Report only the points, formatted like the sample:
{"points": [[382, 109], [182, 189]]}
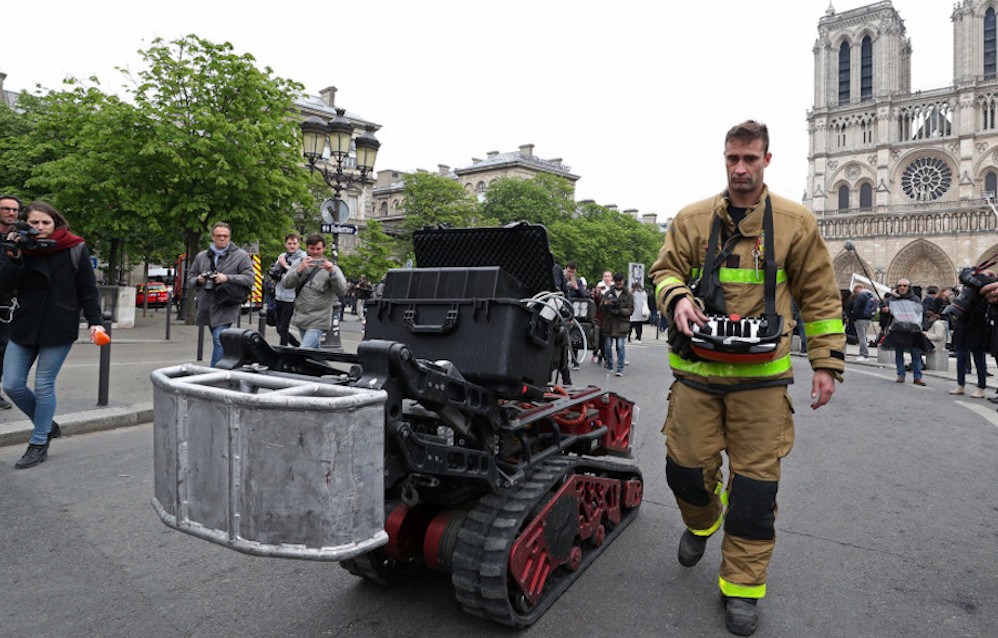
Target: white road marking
{"points": [[985, 411]]}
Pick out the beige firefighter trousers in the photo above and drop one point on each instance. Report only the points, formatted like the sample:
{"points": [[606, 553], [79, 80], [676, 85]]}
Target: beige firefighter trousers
{"points": [[755, 427]]}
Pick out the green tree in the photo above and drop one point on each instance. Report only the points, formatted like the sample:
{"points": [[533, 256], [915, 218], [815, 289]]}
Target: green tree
{"points": [[374, 256], [544, 199], [223, 144], [431, 200], [601, 239]]}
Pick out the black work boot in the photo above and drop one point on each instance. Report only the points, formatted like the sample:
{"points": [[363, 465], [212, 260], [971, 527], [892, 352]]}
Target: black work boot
{"points": [[741, 616], [4, 403], [55, 432], [35, 455], [691, 548]]}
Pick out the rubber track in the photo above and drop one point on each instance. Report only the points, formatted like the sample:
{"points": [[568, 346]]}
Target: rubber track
{"points": [[481, 556]]}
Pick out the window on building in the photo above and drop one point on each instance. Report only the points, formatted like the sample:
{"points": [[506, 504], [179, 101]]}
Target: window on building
{"points": [[843, 197], [989, 44], [866, 196], [866, 70], [384, 208], [991, 182], [844, 77]]}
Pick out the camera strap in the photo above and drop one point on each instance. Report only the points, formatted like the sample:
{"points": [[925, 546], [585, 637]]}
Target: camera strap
{"points": [[302, 282], [7, 312]]}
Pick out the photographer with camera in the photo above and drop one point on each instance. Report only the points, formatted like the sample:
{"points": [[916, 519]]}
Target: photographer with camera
{"points": [[223, 263], [10, 207], [286, 296], [48, 271], [618, 304], [317, 283]]}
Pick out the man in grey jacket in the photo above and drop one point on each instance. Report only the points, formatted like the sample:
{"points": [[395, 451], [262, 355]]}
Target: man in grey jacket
{"points": [[286, 296], [317, 282], [222, 262]]}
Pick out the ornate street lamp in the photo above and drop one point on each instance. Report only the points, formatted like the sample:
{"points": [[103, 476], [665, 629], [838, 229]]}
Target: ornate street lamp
{"points": [[337, 134]]}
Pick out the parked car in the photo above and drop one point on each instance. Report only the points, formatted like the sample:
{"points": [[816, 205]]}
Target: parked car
{"points": [[158, 294]]}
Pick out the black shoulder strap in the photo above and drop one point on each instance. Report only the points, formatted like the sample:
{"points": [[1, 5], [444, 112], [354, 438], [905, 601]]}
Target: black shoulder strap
{"points": [[769, 251], [75, 253], [302, 282]]}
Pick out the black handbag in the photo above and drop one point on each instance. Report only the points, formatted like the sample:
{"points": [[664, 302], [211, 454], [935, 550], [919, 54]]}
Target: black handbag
{"points": [[231, 294]]}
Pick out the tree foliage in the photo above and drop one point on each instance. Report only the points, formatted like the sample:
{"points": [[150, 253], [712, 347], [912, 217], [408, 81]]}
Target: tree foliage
{"points": [[374, 256], [433, 200], [544, 199]]}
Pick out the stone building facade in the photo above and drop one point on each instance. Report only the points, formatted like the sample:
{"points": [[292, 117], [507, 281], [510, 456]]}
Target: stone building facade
{"points": [[476, 178], [908, 177]]}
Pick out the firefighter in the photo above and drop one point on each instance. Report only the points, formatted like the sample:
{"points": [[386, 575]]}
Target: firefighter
{"points": [[762, 252]]}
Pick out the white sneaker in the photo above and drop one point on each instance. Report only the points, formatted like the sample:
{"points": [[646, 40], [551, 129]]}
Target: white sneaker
{"points": [[959, 390], [978, 394], [637, 341], [862, 359]]}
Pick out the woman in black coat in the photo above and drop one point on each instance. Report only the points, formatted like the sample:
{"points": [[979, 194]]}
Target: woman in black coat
{"points": [[52, 282]]}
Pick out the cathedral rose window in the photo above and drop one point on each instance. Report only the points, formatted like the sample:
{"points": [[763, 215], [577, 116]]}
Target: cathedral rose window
{"points": [[926, 179]]}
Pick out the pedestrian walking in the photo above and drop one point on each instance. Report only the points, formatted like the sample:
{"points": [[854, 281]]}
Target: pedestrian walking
{"points": [[54, 281], [750, 250]]}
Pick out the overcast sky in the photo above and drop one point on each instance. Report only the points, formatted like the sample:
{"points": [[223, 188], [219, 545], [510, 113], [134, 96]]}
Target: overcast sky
{"points": [[634, 96]]}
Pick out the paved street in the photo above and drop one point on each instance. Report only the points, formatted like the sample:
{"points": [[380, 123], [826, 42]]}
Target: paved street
{"points": [[886, 528]]}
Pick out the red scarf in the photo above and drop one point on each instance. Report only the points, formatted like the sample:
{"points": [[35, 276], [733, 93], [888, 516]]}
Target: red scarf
{"points": [[64, 240]]}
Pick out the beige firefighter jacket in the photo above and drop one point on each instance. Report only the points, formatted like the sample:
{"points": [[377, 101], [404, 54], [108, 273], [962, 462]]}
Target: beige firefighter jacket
{"points": [[805, 275]]}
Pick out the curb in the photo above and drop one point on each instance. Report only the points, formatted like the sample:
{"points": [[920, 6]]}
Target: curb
{"points": [[19, 432]]}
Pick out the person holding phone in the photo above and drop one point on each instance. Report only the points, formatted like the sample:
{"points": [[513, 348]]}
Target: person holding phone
{"points": [[317, 283]]}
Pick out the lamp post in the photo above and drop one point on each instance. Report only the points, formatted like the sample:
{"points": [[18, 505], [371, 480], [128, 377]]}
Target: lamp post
{"points": [[337, 135]]}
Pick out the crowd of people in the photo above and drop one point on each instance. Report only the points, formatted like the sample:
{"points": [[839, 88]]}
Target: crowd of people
{"points": [[914, 326]]}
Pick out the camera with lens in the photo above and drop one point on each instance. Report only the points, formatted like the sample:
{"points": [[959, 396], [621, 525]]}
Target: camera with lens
{"points": [[973, 280], [28, 238], [209, 279], [276, 272]]}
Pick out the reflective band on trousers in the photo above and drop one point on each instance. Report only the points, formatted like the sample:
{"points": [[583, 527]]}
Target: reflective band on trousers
{"points": [[710, 530], [829, 326], [721, 369], [744, 275], [740, 591]]}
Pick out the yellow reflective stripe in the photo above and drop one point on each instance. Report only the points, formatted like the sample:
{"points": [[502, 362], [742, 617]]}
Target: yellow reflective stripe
{"points": [[668, 281], [744, 275], [741, 591], [722, 369], [710, 530], [828, 326], [723, 492]]}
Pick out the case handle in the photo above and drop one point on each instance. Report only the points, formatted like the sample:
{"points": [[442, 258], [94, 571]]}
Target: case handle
{"points": [[448, 325]]}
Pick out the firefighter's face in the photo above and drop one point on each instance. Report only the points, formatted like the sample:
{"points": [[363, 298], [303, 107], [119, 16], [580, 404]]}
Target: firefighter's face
{"points": [[745, 162]]}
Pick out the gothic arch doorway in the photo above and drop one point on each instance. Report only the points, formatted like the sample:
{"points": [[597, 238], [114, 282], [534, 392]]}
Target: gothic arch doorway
{"points": [[845, 264], [924, 264]]}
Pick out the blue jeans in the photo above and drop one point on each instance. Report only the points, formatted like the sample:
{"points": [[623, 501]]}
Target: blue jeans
{"points": [[310, 338], [979, 362], [39, 406], [608, 352], [216, 342], [916, 362]]}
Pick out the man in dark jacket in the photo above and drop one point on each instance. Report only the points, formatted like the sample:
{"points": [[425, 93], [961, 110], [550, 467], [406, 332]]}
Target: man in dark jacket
{"points": [[222, 263], [617, 304], [905, 330]]}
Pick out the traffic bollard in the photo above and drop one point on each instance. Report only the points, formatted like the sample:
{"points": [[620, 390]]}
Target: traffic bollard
{"points": [[262, 327], [104, 372], [200, 356], [169, 304]]}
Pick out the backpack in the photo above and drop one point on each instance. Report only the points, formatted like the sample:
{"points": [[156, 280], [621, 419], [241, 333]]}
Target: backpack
{"points": [[870, 308]]}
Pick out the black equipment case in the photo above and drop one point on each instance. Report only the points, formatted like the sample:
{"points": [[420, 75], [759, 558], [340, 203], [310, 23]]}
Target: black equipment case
{"points": [[469, 302]]}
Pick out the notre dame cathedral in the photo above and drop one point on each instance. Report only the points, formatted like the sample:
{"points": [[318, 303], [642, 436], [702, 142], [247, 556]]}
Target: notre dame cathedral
{"points": [[908, 177]]}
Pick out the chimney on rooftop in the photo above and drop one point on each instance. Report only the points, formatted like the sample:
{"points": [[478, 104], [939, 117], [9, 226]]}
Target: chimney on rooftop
{"points": [[444, 169], [649, 218], [527, 150], [328, 96], [491, 154]]}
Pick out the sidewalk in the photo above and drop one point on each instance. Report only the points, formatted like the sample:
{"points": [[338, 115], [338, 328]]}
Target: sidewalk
{"points": [[135, 353]]}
